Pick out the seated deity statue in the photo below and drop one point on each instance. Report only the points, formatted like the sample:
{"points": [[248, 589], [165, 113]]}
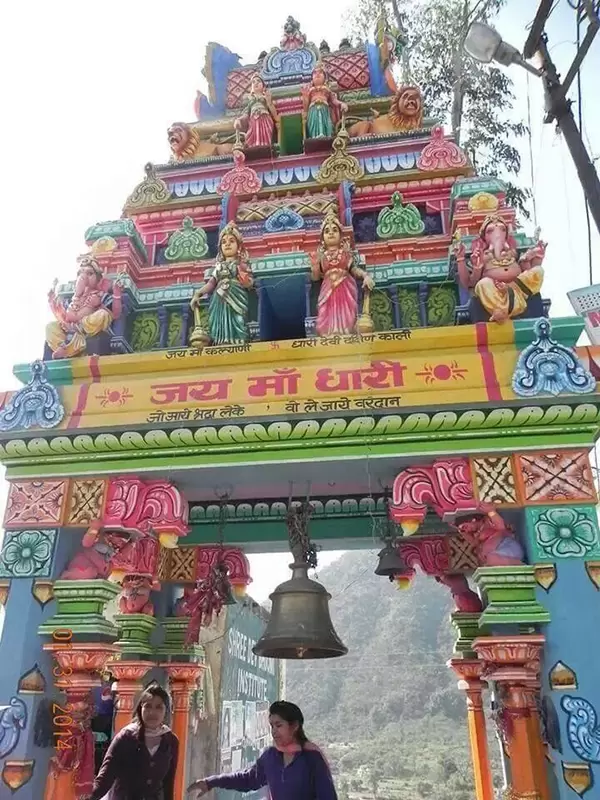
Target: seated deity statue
{"points": [[501, 281], [95, 304]]}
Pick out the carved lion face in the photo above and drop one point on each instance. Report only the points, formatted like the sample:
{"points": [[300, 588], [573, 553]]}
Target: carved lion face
{"points": [[178, 135], [410, 102]]}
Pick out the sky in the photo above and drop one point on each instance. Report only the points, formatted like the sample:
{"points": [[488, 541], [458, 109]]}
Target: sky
{"points": [[88, 90]]}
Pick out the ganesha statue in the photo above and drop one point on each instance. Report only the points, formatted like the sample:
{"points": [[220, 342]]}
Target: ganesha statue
{"points": [[135, 597], [502, 281], [95, 304]]}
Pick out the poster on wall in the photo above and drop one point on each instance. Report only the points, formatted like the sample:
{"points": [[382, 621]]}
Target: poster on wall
{"points": [[249, 685]]}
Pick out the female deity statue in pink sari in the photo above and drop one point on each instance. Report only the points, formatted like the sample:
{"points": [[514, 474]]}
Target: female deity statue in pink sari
{"points": [[259, 117], [338, 265]]}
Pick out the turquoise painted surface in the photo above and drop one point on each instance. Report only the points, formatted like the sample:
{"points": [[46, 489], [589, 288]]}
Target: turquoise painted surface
{"points": [[572, 637], [557, 533], [248, 686]]}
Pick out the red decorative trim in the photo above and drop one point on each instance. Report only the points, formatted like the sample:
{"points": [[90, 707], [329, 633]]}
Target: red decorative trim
{"points": [[75, 418], [487, 362]]}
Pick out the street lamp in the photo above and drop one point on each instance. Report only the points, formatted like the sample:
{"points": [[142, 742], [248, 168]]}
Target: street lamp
{"points": [[485, 44]]}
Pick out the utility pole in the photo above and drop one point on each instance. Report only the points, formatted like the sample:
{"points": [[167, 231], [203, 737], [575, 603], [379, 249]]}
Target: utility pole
{"points": [[558, 107]]}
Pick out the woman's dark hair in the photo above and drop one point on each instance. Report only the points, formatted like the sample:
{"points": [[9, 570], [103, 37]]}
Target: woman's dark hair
{"points": [[290, 713], [154, 689]]}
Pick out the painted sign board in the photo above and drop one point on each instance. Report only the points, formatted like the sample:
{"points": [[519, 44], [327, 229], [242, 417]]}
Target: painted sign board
{"points": [[586, 302], [249, 684]]}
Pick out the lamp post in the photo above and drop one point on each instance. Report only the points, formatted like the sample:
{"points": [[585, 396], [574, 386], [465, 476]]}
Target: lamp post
{"points": [[485, 44]]}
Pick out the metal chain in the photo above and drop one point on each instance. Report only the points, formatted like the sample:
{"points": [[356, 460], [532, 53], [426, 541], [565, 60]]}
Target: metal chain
{"points": [[301, 546]]}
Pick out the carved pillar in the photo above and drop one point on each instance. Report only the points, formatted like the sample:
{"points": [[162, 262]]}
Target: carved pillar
{"points": [[77, 672], [469, 671], [532, 693], [129, 675], [513, 662], [183, 679]]}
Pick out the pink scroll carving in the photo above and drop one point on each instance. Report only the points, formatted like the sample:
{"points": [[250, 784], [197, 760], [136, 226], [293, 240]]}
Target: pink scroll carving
{"points": [[430, 553], [440, 153], [235, 560], [446, 487], [146, 506]]}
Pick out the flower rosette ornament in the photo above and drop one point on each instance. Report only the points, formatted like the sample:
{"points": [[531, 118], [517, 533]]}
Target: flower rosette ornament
{"points": [[566, 533], [241, 179], [26, 554], [440, 153]]}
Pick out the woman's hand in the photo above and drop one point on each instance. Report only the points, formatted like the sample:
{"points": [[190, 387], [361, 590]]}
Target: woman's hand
{"points": [[200, 787]]}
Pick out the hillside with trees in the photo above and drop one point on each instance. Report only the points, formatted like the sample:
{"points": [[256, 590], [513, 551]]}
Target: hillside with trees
{"points": [[389, 714]]}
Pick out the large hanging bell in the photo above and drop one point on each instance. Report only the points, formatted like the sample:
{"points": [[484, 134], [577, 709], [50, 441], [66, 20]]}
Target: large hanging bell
{"points": [[390, 562], [300, 625]]}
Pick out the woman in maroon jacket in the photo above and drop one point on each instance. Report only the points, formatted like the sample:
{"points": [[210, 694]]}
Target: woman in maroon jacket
{"points": [[141, 761]]}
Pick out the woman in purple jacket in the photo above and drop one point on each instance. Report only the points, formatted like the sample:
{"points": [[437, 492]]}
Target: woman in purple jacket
{"points": [[293, 769], [141, 761]]}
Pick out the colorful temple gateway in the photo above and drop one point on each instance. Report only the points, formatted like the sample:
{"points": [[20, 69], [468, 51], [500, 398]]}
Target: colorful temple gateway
{"points": [[314, 291]]}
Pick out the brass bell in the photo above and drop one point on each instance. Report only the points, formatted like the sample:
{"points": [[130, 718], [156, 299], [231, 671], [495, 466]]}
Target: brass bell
{"points": [[300, 625], [390, 562]]}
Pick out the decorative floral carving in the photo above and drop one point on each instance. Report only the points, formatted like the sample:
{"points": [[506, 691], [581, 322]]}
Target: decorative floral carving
{"points": [[27, 554], [402, 219], [35, 503], [512, 652], [570, 532], [564, 476], [494, 479], [483, 201], [547, 367], [188, 243], [152, 191], [241, 179], [13, 719], [35, 405], [340, 165], [440, 153], [234, 558], [446, 487], [583, 730], [86, 500], [148, 507], [284, 219], [430, 553]]}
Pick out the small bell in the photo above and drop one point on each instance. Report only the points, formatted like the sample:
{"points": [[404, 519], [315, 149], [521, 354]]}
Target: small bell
{"points": [[390, 561], [300, 625]]}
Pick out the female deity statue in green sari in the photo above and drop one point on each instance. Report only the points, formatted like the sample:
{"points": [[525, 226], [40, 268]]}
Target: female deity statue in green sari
{"points": [[321, 108], [228, 284]]}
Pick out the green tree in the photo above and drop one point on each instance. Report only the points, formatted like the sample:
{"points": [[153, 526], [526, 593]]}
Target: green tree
{"points": [[475, 99]]}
